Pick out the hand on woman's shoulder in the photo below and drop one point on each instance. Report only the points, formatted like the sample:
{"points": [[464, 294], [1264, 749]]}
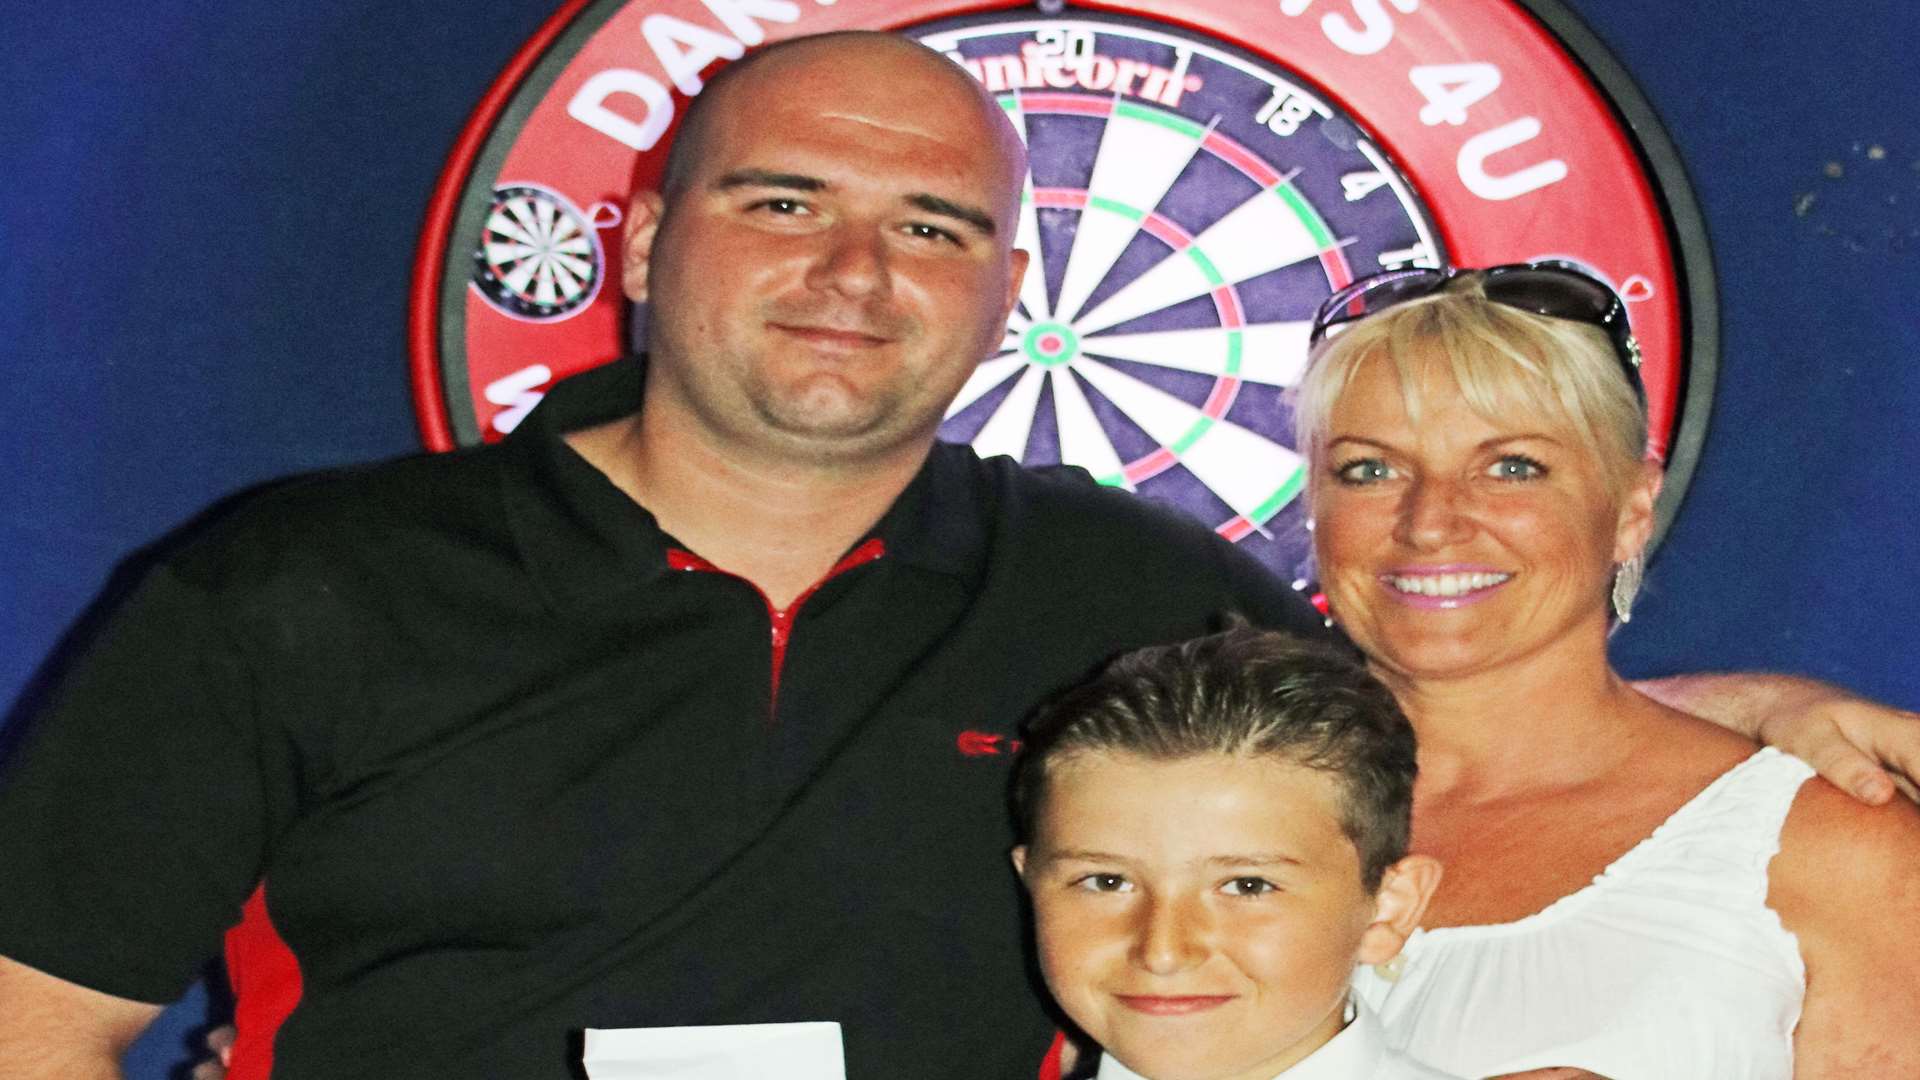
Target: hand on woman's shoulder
{"points": [[1847, 884]]}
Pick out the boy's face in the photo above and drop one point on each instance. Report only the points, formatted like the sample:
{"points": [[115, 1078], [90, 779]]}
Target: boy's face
{"points": [[1199, 918]]}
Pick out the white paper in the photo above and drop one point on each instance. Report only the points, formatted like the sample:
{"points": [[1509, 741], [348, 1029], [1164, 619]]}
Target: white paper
{"points": [[723, 1052]]}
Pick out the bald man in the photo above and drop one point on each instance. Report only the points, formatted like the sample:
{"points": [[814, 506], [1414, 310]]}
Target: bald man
{"points": [[689, 703]]}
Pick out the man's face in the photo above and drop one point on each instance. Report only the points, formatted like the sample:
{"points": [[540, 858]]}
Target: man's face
{"points": [[1199, 918], [836, 261]]}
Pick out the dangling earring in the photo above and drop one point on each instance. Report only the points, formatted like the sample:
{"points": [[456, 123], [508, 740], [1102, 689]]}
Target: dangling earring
{"points": [[1626, 585]]}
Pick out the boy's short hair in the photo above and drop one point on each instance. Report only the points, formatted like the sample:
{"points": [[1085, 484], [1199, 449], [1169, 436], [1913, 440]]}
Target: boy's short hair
{"points": [[1245, 692]]}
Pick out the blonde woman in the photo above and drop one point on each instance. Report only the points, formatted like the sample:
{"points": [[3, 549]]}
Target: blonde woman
{"points": [[1613, 899]]}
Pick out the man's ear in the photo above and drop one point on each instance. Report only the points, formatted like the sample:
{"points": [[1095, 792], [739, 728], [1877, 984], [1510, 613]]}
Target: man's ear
{"points": [[1019, 857], [1398, 905], [636, 243], [1017, 274]]}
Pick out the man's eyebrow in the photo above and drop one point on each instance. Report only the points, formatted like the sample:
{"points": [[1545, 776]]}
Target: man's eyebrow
{"points": [[978, 219], [740, 178], [981, 221]]}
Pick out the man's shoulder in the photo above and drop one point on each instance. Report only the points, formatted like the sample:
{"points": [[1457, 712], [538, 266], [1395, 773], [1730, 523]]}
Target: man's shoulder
{"points": [[1065, 501], [1058, 533], [346, 514]]}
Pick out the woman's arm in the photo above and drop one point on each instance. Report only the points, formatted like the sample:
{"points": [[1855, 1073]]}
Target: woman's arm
{"points": [[1847, 883], [1848, 739]]}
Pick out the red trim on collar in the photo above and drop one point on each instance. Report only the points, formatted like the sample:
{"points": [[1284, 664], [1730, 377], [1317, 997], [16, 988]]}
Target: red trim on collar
{"points": [[781, 622], [1050, 1065]]}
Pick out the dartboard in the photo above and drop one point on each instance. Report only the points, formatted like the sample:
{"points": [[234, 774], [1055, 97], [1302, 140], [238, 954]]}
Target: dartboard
{"points": [[1186, 219], [1204, 173], [538, 257]]}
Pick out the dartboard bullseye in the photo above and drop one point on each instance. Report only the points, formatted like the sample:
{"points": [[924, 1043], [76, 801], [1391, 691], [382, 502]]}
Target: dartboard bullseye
{"points": [[1186, 219], [539, 256]]}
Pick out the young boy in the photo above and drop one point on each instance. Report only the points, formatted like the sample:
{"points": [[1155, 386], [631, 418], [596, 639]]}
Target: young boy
{"points": [[1213, 835]]}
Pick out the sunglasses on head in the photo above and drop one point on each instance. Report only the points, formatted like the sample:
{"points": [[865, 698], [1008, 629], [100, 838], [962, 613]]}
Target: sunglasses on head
{"points": [[1553, 289]]}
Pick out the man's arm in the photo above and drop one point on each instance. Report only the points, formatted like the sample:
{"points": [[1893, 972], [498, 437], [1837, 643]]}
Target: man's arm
{"points": [[142, 788], [51, 1029], [1861, 747]]}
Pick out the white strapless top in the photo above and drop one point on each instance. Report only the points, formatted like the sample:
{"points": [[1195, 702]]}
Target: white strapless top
{"points": [[1670, 965]]}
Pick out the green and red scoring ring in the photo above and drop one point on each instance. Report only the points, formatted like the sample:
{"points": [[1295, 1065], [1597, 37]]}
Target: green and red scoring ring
{"points": [[1226, 299], [1540, 78], [1226, 302]]}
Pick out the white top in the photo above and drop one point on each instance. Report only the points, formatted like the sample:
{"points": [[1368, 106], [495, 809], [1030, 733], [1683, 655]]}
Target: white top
{"points": [[1670, 965], [1358, 1052]]}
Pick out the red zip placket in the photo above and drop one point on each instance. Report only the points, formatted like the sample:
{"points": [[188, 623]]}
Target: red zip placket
{"points": [[781, 621]]}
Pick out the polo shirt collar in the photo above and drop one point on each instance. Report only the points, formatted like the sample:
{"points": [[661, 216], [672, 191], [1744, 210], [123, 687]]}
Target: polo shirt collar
{"points": [[588, 544], [939, 522]]}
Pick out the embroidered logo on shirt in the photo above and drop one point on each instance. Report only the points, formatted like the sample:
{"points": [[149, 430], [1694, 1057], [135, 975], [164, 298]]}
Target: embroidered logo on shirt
{"points": [[985, 744]]}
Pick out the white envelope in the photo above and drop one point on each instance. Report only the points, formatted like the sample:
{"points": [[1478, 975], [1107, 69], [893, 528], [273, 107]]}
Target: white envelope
{"points": [[721, 1052]]}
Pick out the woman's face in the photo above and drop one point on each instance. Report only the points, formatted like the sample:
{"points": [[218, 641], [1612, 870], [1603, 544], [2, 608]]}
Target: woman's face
{"points": [[1458, 544]]}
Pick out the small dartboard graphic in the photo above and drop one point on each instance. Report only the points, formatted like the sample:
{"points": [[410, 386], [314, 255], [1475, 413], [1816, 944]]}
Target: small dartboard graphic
{"points": [[1188, 209], [539, 256]]}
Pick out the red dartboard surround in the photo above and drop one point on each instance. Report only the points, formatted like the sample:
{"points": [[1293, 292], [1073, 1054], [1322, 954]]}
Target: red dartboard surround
{"points": [[1204, 173]]}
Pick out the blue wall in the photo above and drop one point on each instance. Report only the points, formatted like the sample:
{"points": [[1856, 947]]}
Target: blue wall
{"points": [[206, 228]]}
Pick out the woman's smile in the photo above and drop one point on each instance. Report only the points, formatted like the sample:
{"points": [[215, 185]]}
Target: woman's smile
{"points": [[1443, 587]]}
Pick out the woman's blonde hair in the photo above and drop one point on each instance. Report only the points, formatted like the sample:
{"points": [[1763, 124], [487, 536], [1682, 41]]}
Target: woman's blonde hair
{"points": [[1506, 361]]}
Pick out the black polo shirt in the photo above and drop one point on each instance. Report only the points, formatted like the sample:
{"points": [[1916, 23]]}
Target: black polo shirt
{"points": [[509, 764]]}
